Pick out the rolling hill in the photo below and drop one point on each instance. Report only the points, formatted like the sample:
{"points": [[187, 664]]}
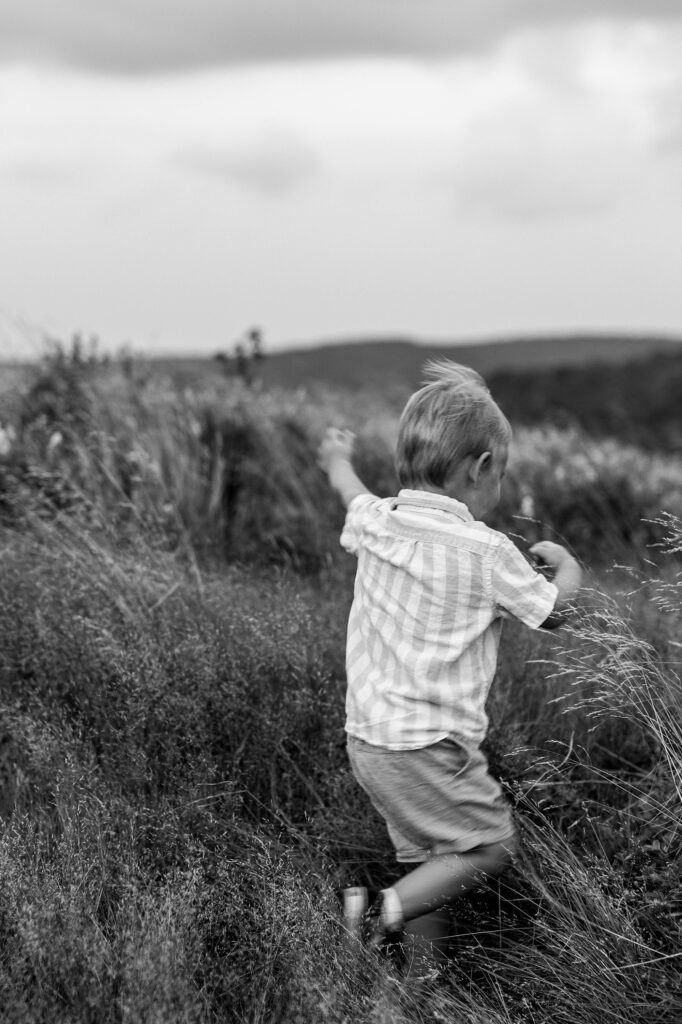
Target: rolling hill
{"points": [[630, 388], [396, 364]]}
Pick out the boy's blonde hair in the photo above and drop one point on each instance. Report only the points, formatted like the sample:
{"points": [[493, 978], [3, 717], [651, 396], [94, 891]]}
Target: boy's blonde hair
{"points": [[451, 417]]}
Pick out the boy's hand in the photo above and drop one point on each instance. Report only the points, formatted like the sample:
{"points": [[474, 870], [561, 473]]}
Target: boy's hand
{"points": [[334, 456], [566, 577], [550, 553], [336, 444]]}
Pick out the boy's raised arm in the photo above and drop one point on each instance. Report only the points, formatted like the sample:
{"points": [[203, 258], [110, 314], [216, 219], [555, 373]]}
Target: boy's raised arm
{"points": [[334, 456], [567, 578]]}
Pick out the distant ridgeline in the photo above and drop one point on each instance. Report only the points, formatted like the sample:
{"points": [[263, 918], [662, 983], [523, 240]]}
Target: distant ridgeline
{"points": [[639, 401], [630, 387]]}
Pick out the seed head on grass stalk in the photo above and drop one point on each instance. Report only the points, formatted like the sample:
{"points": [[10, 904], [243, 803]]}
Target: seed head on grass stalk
{"points": [[615, 673], [582, 956]]}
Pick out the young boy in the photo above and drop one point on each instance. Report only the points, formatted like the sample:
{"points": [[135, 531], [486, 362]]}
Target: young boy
{"points": [[433, 585]]}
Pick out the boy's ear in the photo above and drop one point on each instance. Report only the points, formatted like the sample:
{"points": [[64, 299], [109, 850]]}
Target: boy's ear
{"points": [[479, 465]]}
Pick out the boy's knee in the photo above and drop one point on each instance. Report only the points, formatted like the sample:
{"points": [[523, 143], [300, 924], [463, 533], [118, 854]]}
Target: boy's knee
{"points": [[497, 857]]}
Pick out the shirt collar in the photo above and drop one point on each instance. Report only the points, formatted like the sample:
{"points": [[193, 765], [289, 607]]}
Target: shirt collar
{"points": [[427, 499]]}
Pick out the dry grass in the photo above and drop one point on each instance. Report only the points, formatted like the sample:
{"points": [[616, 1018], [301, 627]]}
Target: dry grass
{"points": [[177, 810]]}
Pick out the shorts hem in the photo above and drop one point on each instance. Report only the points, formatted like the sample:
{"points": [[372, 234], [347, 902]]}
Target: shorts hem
{"points": [[473, 843]]}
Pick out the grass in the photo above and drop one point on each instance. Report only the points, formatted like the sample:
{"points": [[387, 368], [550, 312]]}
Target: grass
{"points": [[177, 812]]}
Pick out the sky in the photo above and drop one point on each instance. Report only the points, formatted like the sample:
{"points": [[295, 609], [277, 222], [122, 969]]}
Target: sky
{"points": [[173, 174]]}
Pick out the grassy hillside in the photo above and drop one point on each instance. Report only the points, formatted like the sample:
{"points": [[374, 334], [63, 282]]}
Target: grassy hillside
{"points": [[621, 387], [393, 366], [396, 364], [176, 809]]}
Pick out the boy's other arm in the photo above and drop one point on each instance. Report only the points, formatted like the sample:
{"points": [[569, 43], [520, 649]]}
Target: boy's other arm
{"points": [[334, 456], [567, 579]]}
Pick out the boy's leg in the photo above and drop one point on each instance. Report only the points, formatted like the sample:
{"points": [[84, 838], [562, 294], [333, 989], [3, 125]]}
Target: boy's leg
{"points": [[444, 877], [427, 941], [441, 794], [425, 893]]}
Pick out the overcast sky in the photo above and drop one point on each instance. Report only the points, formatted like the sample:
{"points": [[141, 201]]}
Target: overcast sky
{"points": [[173, 173]]}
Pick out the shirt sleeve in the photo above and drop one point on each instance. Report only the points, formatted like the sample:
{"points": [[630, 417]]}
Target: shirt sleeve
{"points": [[518, 589], [356, 518]]}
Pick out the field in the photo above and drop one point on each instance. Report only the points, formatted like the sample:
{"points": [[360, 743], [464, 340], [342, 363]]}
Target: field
{"points": [[176, 811]]}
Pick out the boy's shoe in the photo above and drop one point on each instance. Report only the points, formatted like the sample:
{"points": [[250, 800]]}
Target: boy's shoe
{"points": [[383, 922], [355, 903]]}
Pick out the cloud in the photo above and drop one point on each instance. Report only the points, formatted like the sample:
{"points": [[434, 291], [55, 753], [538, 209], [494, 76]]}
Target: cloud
{"points": [[668, 137], [558, 146], [532, 179], [42, 173], [144, 36], [273, 162]]}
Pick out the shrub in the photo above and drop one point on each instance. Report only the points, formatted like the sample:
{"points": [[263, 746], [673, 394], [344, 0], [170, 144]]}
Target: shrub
{"points": [[599, 498]]}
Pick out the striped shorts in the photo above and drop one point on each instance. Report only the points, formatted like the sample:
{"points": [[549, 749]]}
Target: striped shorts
{"points": [[434, 800]]}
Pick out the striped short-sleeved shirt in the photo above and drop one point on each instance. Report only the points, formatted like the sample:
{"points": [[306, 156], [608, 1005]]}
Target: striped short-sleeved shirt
{"points": [[431, 590]]}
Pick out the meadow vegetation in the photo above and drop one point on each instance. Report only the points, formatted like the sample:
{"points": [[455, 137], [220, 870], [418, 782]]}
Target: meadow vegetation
{"points": [[176, 811]]}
